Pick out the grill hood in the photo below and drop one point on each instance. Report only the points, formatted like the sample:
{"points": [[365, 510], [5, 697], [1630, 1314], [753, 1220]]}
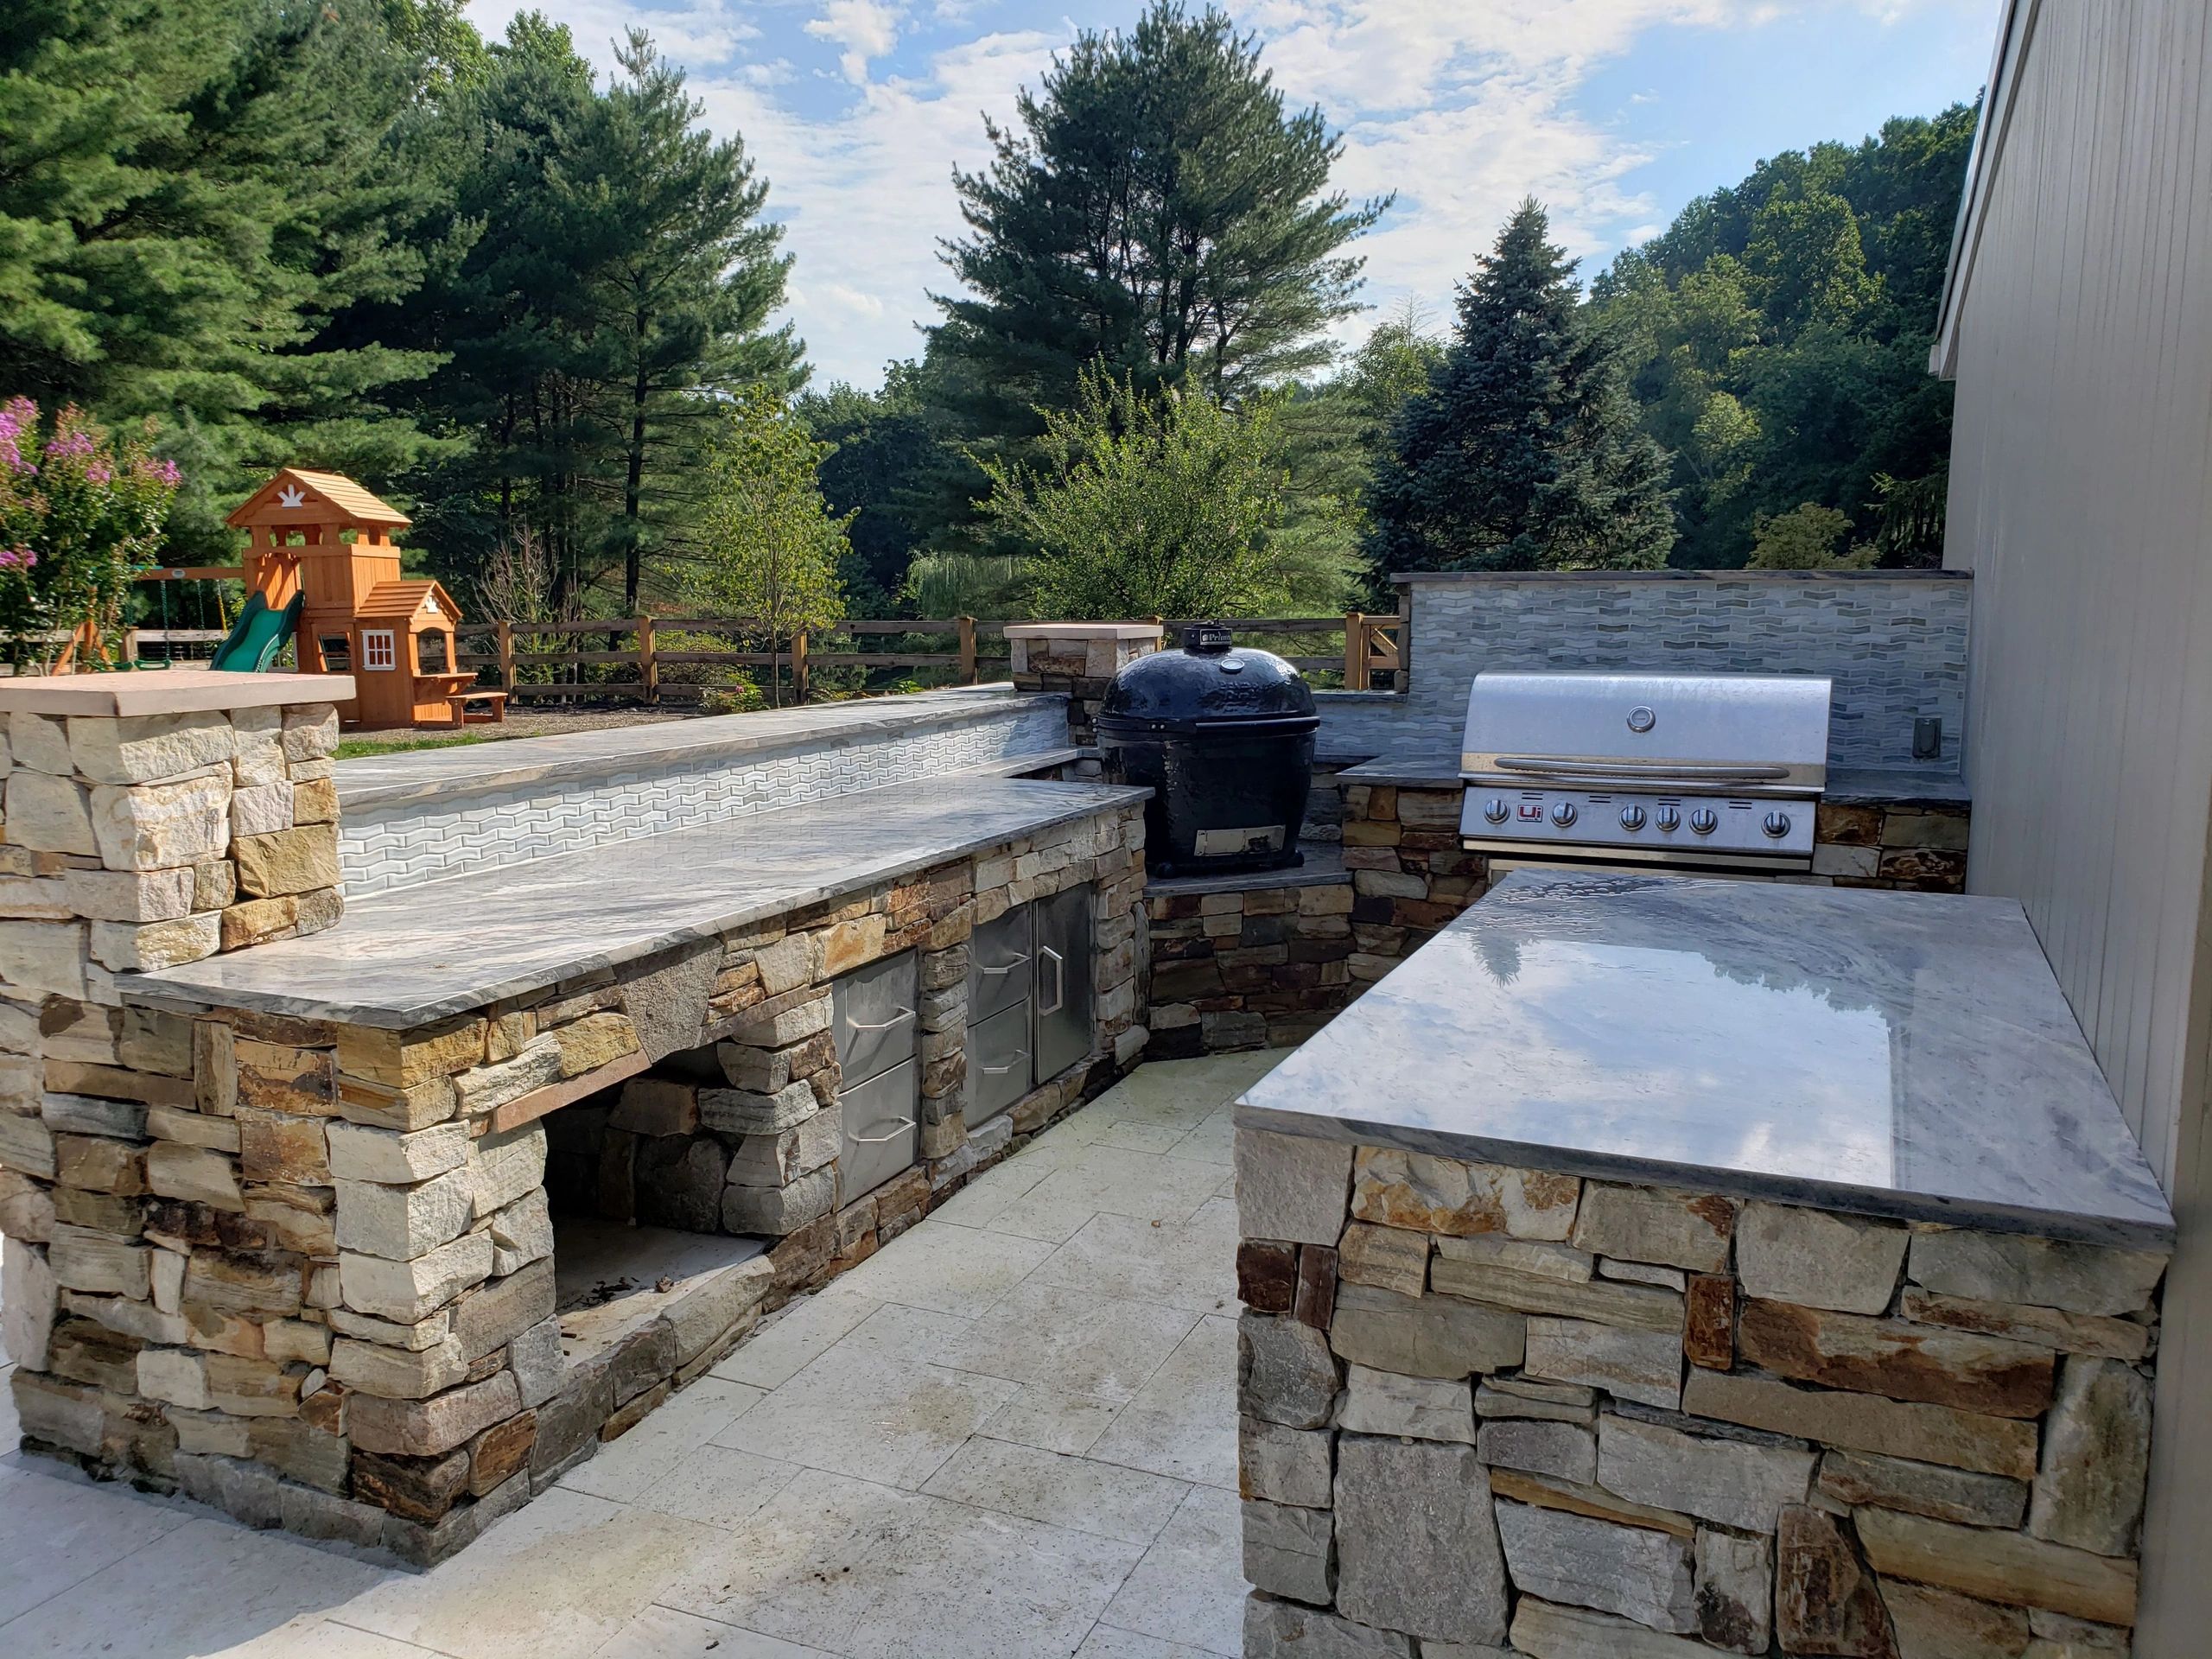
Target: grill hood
{"points": [[1742, 734]]}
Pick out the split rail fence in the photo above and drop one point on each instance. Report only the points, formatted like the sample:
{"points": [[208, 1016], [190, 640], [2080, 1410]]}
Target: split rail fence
{"points": [[652, 660]]}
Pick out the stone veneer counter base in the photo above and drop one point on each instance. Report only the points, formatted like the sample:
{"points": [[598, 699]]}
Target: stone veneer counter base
{"points": [[1606, 1293], [416, 954], [1908, 1055]]}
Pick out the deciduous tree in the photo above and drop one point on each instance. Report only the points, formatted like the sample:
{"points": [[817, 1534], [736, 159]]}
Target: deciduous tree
{"points": [[1164, 503], [770, 547]]}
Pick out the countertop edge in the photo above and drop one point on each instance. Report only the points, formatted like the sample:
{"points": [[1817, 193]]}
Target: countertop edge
{"points": [[1892, 1207], [168, 989]]}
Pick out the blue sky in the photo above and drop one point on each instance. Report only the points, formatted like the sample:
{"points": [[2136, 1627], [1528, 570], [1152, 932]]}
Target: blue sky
{"points": [[1614, 113]]}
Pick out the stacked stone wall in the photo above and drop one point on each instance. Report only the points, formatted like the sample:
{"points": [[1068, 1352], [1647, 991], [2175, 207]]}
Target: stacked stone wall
{"points": [[1488, 1409], [303, 1271]]}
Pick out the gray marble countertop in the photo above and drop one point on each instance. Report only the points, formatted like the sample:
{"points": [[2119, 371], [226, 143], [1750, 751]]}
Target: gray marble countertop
{"points": [[1893, 1053], [386, 780], [419, 954], [1846, 785]]}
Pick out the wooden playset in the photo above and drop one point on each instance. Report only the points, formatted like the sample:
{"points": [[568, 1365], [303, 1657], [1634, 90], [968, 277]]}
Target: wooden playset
{"points": [[321, 565]]}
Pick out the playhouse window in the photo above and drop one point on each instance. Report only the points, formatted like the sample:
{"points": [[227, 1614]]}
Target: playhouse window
{"points": [[337, 653], [430, 646], [377, 650]]}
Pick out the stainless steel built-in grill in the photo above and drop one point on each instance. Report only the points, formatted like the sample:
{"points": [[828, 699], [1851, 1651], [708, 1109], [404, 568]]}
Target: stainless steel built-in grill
{"points": [[1708, 771]]}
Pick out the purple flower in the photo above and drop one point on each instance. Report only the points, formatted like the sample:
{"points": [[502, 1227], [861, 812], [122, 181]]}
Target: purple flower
{"points": [[99, 473], [17, 559], [18, 416]]}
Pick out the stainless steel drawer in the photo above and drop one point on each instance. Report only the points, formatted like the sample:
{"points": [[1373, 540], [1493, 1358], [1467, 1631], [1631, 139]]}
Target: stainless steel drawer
{"points": [[1063, 998], [999, 1063], [872, 1009], [998, 958], [880, 1135]]}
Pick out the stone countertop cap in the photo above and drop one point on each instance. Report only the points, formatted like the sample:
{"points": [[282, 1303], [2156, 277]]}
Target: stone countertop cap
{"points": [[407, 776], [1846, 785], [1897, 1054], [167, 691], [419, 954], [1082, 630]]}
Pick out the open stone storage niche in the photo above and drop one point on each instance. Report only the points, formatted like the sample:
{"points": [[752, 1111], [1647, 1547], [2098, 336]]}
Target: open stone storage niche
{"points": [[304, 1271], [1489, 1410]]}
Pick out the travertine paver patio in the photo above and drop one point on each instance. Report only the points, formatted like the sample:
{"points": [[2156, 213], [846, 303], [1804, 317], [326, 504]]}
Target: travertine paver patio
{"points": [[1011, 1432]]}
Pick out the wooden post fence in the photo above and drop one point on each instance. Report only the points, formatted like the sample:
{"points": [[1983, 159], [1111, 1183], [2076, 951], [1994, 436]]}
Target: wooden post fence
{"points": [[967, 649]]}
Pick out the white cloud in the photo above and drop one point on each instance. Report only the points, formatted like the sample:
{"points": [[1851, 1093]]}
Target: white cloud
{"points": [[866, 29], [866, 195]]}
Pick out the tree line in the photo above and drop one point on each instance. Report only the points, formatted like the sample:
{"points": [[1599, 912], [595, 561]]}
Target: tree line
{"points": [[538, 308]]}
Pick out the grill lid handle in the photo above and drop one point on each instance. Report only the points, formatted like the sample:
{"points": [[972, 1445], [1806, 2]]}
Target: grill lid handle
{"points": [[1703, 771]]}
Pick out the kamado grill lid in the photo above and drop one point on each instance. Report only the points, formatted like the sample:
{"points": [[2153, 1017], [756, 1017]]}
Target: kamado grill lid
{"points": [[1208, 683]]}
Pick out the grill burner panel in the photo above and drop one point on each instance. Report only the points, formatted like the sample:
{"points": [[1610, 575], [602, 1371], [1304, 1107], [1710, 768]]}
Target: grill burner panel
{"points": [[1706, 771]]}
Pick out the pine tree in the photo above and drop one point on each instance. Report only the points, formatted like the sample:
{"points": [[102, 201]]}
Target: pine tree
{"points": [[681, 275], [191, 192], [1524, 452], [606, 281], [1158, 207]]}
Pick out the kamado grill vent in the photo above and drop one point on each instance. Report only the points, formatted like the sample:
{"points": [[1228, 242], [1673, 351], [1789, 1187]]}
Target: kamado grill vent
{"points": [[1706, 771]]}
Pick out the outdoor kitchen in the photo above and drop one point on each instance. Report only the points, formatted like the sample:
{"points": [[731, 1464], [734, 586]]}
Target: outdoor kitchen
{"points": [[1687, 1222]]}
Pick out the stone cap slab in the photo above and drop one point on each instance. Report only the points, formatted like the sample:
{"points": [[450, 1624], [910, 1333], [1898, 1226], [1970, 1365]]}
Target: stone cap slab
{"points": [[1908, 1055], [167, 691], [397, 960]]}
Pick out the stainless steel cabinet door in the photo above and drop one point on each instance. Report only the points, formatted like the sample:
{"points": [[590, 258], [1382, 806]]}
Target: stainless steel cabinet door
{"points": [[999, 1063], [880, 1137], [873, 1012], [999, 957], [1062, 997]]}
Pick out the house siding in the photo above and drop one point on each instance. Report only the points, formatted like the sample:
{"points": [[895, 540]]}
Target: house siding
{"points": [[2081, 338]]}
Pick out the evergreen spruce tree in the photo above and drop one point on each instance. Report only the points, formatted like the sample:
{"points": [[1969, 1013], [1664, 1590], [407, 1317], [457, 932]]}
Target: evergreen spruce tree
{"points": [[1524, 453]]}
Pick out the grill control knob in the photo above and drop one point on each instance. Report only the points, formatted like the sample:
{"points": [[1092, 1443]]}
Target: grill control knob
{"points": [[1563, 813], [1776, 824], [1705, 820], [1668, 819], [1631, 818], [1494, 810]]}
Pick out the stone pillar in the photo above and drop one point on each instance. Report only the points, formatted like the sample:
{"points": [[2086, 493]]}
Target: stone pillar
{"points": [[1080, 658], [153, 819]]}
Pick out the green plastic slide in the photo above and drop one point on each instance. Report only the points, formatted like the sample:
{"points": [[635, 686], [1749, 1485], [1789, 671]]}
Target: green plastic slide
{"points": [[258, 636]]}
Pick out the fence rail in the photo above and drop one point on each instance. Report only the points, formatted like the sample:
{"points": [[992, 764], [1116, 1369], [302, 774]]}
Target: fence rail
{"points": [[516, 654]]}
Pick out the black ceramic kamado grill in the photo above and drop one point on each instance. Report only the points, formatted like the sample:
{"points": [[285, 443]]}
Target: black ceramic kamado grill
{"points": [[1224, 737]]}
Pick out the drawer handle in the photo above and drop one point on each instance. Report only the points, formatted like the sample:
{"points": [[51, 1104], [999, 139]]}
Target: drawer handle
{"points": [[1060, 980], [1009, 968], [903, 1124], [899, 1018], [1020, 1055]]}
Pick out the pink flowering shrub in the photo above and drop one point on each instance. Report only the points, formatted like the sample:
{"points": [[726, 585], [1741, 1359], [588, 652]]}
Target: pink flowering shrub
{"points": [[80, 514]]}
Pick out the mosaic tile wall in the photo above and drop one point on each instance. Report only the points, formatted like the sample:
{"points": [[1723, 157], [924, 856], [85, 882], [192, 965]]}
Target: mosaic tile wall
{"points": [[1895, 644], [424, 841]]}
